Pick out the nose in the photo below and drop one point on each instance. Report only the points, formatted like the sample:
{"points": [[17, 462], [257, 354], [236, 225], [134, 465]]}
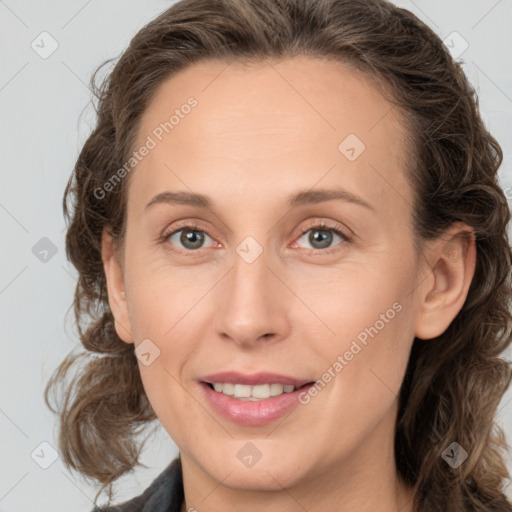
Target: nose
{"points": [[254, 304]]}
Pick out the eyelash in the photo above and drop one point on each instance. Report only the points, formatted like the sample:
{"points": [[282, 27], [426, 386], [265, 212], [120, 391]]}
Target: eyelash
{"points": [[323, 226], [320, 226]]}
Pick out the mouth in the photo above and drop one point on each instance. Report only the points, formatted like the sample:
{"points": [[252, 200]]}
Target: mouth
{"points": [[255, 399]]}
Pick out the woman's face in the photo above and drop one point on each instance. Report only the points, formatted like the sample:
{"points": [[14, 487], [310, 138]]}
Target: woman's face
{"points": [[300, 265]]}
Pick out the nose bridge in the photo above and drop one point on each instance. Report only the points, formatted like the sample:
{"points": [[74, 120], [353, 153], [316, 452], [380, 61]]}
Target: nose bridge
{"points": [[252, 303], [249, 278]]}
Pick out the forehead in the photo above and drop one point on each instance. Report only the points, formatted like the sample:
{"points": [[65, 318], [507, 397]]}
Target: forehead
{"points": [[294, 121]]}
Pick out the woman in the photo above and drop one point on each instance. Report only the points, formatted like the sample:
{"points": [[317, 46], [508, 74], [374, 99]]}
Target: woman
{"points": [[292, 252]]}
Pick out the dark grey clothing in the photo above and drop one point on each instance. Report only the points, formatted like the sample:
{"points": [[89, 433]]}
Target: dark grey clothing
{"points": [[164, 494]]}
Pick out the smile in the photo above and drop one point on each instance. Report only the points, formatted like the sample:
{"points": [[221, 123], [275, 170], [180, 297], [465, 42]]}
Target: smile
{"points": [[252, 399]]}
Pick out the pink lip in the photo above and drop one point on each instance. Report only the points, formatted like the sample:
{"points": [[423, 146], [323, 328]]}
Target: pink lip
{"points": [[247, 412], [254, 379]]}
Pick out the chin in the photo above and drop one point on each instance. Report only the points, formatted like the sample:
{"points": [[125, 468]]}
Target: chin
{"points": [[270, 473]]}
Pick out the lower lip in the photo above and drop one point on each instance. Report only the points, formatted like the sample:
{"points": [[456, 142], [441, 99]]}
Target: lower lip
{"points": [[246, 412]]}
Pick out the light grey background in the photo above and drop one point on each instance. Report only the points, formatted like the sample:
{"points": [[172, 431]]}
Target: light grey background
{"points": [[40, 105]]}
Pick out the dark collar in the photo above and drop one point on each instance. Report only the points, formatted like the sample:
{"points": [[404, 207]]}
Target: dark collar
{"points": [[164, 494]]}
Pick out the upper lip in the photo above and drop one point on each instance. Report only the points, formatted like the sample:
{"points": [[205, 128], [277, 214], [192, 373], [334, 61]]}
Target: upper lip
{"points": [[254, 379]]}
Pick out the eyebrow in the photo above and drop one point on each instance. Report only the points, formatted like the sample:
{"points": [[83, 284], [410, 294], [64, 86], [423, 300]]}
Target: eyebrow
{"points": [[302, 198]]}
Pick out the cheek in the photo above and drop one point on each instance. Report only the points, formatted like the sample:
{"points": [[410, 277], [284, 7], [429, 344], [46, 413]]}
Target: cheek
{"points": [[359, 300], [161, 307], [171, 307], [163, 296], [362, 376], [370, 318]]}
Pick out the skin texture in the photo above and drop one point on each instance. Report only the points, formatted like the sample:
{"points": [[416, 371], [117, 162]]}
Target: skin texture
{"points": [[259, 134]]}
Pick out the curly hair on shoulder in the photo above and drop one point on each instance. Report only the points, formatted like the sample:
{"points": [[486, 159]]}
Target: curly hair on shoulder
{"points": [[453, 383]]}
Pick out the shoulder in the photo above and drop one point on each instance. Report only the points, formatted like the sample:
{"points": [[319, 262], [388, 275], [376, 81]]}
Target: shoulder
{"points": [[164, 494]]}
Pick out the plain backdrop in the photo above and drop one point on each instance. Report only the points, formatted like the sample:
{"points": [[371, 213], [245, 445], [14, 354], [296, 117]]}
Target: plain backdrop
{"points": [[41, 99]]}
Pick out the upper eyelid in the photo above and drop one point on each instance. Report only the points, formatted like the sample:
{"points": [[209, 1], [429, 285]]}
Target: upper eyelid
{"points": [[194, 226], [322, 225]]}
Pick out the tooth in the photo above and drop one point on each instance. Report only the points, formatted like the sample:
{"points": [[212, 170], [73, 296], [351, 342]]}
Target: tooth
{"points": [[261, 391], [276, 389], [252, 393], [228, 389], [242, 391]]}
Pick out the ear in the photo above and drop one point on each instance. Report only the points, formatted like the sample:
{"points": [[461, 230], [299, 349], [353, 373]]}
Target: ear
{"points": [[115, 287], [451, 260]]}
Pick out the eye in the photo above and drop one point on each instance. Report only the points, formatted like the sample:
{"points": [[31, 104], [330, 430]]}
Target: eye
{"points": [[190, 237], [321, 236]]}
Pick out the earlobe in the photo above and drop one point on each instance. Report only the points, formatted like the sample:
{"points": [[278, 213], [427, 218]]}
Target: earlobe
{"points": [[451, 262], [115, 287]]}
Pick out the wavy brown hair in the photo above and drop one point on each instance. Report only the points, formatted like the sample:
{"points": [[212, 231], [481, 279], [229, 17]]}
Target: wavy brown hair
{"points": [[453, 383]]}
